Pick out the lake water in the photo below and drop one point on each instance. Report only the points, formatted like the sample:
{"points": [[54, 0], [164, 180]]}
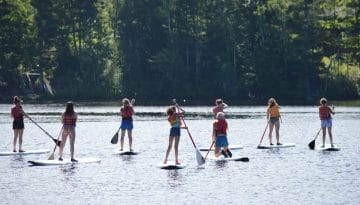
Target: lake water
{"points": [[285, 176]]}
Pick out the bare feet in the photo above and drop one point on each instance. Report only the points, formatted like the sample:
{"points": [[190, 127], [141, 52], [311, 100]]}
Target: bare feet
{"points": [[165, 161], [178, 163]]}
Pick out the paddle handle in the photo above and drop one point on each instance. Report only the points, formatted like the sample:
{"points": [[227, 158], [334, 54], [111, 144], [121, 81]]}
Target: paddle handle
{"points": [[264, 133], [212, 144]]}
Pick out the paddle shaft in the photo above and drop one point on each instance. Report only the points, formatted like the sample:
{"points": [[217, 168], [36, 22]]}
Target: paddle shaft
{"points": [[317, 134], [212, 144], [264, 133], [42, 129]]}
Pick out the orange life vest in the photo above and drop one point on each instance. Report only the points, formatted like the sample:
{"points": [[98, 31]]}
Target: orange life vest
{"points": [[69, 120]]}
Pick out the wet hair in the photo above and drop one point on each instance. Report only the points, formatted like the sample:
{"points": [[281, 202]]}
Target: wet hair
{"points": [[16, 100], [171, 110], [323, 101], [69, 108], [272, 102], [219, 101]]}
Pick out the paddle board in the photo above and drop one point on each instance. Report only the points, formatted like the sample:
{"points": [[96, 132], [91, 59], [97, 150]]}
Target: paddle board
{"points": [[222, 158], [37, 151], [285, 145], [171, 165], [125, 152], [64, 162], [231, 147], [328, 148]]}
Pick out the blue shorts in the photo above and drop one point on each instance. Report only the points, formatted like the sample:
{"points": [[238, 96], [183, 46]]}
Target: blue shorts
{"points": [[175, 132], [221, 141], [326, 123], [126, 125]]}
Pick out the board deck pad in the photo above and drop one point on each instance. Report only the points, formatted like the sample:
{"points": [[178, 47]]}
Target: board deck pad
{"points": [[327, 148], [222, 158], [27, 152], [231, 147], [284, 145], [64, 162], [126, 152], [170, 165]]}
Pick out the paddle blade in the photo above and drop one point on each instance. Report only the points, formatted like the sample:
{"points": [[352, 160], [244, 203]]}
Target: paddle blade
{"points": [[200, 159], [51, 157], [57, 142], [243, 159], [115, 138], [312, 144]]}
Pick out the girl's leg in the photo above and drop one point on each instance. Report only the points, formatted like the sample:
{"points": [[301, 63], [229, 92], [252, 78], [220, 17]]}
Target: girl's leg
{"points": [[63, 142], [217, 151], [20, 140], [176, 147], [171, 139], [271, 127], [130, 139], [72, 143], [16, 134], [122, 139], [324, 135], [330, 136], [277, 128]]}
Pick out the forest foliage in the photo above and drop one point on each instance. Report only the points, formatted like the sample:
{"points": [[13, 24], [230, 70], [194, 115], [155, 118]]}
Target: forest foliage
{"points": [[244, 50]]}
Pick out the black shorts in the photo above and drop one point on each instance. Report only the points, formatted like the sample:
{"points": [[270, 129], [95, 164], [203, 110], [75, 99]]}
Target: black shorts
{"points": [[18, 124]]}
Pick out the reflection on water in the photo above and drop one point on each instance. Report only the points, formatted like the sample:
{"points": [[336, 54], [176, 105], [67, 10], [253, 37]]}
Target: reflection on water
{"points": [[175, 178]]}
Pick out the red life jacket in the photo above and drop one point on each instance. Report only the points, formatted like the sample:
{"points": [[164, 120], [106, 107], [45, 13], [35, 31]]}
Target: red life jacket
{"points": [[220, 127], [69, 120], [16, 113], [324, 112], [127, 112]]}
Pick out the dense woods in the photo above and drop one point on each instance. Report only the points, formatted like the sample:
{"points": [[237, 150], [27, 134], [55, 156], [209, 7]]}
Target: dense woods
{"points": [[244, 50]]}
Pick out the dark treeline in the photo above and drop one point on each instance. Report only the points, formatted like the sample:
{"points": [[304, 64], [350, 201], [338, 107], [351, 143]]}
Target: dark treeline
{"points": [[293, 50]]}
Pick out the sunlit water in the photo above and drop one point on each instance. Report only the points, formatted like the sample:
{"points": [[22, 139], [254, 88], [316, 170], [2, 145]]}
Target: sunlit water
{"points": [[285, 176]]}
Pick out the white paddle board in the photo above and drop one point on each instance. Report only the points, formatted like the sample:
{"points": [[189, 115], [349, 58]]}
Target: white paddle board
{"points": [[125, 152], [231, 147], [222, 158], [171, 165], [327, 148], [285, 145], [37, 151], [64, 162]]}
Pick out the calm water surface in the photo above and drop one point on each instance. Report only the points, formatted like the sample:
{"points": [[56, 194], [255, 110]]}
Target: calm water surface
{"points": [[285, 176]]}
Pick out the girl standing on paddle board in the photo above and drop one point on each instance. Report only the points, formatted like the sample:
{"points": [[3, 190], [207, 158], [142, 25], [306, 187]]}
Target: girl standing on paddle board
{"points": [[175, 123], [326, 121], [219, 135], [126, 112], [273, 116], [18, 114], [220, 106], [69, 118]]}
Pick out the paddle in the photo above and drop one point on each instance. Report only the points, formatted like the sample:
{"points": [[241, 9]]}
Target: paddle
{"points": [[51, 157], [312, 143], [262, 137], [57, 142], [115, 138], [200, 159]]}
